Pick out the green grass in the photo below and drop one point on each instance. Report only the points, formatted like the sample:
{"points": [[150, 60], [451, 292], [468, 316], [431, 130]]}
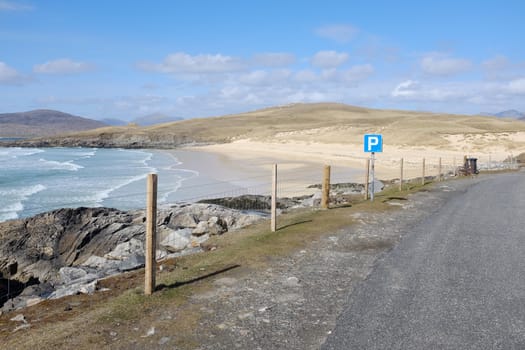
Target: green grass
{"points": [[235, 253]]}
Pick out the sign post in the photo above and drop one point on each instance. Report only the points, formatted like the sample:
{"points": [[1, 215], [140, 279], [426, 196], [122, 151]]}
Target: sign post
{"points": [[373, 143]]}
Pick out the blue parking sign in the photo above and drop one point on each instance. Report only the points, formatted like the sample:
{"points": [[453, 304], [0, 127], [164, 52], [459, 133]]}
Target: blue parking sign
{"points": [[373, 143]]}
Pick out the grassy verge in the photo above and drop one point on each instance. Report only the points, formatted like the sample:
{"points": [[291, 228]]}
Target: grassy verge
{"points": [[125, 311]]}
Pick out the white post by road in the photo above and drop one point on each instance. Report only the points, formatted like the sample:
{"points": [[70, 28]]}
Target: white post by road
{"points": [[372, 167], [274, 199]]}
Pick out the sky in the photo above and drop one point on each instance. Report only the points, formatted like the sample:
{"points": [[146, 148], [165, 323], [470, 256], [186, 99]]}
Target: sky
{"points": [[129, 58]]}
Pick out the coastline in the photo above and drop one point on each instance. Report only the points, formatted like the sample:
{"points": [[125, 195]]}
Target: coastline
{"points": [[351, 158], [241, 171]]}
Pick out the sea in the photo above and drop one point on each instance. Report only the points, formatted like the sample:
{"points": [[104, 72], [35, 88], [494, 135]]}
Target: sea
{"points": [[35, 180]]}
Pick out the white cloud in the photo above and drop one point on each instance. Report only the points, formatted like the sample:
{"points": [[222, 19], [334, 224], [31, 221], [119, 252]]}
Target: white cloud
{"points": [[517, 86], [496, 63], [502, 69], [262, 77], [359, 72], [341, 33], [406, 89], [9, 75], [438, 65], [305, 76], [14, 6], [410, 90], [183, 63], [274, 59], [329, 59], [62, 66]]}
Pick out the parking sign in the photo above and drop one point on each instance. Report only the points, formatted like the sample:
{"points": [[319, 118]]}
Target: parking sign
{"points": [[373, 143]]}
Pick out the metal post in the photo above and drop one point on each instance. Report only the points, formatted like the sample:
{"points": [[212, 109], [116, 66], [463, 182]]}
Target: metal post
{"points": [[367, 178], [439, 167], [274, 199], [372, 167]]}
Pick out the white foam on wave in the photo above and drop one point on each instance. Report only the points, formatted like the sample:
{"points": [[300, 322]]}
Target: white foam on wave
{"points": [[11, 210], [100, 196], [20, 152], [87, 155], [148, 156], [54, 165], [177, 163], [164, 198]]}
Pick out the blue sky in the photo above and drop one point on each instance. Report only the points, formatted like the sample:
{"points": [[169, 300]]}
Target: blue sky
{"points": [[125, 59]]}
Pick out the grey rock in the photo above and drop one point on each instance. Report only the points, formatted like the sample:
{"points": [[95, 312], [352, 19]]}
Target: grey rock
{"points": [[133, 262], [201, 229], [126, 249], [182, 220], [177, 240], [73, 289], [73, 275]]}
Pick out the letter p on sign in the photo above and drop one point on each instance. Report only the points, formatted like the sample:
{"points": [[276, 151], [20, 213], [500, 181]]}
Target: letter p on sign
{"points": [[373, 143]]}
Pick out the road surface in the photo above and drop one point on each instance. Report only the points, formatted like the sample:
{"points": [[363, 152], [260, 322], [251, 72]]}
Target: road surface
{"points": [[455, 281]]}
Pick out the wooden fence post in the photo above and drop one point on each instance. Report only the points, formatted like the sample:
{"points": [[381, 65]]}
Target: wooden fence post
{"points": [[401, 176], [367, 178], [274, 199], [326, 187], [151, 234], [439, 169], [423, 173]]}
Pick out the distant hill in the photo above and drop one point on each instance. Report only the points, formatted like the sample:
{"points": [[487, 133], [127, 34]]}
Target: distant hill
{"points": [[511, 113], [114, 122], [323, 123], [153, 119], [43, 122]]}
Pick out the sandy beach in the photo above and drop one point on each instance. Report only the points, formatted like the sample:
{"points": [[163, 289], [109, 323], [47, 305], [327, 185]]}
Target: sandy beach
{"points": [[235, 171], [301, 162]]}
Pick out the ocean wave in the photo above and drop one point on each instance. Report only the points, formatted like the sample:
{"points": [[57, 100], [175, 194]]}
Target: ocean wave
{"points": [[20, 152], [87, 155], [11, 210], [54, 165], [23, 192], [100, 196], [165, 196], [173, 166]]}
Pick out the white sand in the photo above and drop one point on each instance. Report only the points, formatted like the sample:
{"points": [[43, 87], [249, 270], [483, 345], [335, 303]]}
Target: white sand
{"points": [[245, 166], [295, 155]]}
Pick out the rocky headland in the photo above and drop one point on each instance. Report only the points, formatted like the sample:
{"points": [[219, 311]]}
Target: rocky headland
{"points": [[65, 251]]}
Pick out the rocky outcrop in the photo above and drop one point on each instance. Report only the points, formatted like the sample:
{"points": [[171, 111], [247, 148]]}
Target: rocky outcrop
{"points": [[66, 251], [131, 140]]}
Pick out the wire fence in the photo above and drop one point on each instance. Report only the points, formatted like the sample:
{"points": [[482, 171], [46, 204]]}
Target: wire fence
{"points": [[298, 185]]}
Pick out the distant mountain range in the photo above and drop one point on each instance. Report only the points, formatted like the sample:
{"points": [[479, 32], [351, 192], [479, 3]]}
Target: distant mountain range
{"points": [[114, 121], [323, 123], [146, 120], [511, 113], [155, 118], [43, 122]]}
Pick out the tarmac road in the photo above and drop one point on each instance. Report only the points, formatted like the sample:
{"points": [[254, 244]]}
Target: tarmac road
{"points": [[455, 281]]}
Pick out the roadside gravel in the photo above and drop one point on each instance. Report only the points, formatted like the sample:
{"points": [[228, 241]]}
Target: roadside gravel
{"points": [[294, 303]]}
